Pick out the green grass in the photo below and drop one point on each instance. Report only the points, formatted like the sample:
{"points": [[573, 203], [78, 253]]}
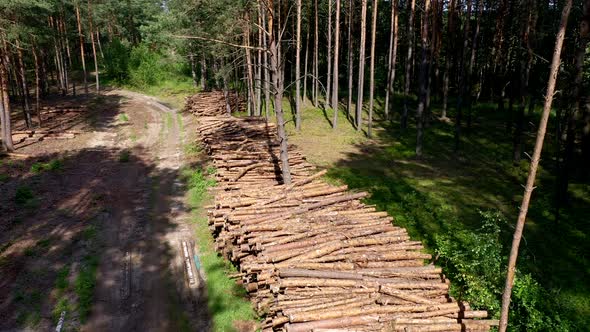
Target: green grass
{"points": [[439, 196], [85, 284], [24, 197], [124, 156], [4, 177], [123, 117], [192, 149], [226, 300], [54, 165]]}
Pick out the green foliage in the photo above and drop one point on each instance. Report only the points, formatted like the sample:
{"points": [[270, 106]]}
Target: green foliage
{"points": [[145, 68], [124, 156], [192, 149], [123, 117], [4, 177], [226, 300], [85, 284], [116, 61], [62, 305], [61, 282], [54, 165], [197, 183], [24, 196]]}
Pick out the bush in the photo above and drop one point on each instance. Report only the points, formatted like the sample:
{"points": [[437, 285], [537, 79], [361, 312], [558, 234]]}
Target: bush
{"points": [[116, 61], [476, 262], [145, 68]]}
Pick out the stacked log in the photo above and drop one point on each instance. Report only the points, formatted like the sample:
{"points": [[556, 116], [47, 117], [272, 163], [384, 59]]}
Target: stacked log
{"points": [[212, 103], [311, 255]]}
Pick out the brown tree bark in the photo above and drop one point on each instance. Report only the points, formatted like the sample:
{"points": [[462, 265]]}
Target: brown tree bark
{"points": [[412, 6], [335, 76], [525, 71], [461, 95], [316, 72], [90, 28], [329, 59], [82, 56], [555, 62], [449, 57], [361, 79], [277, 85], [7, 143], [350, 59], [372, 68], [423, 80], [472, 63], [305, 72], [298, 69], [266, 64], [37, 84], [24, 85], [392, 57]]}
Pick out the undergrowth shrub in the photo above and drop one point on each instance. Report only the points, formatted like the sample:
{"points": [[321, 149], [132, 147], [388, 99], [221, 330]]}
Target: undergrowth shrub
{"points": [[475, 260]]}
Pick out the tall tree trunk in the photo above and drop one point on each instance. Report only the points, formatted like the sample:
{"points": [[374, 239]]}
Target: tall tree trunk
{"points": [[423, 81], [250, 74], [267, 79], [66, 40], [37, 84], [578, 94], [449, 57], [329, 60], [204, 73], [258, 69], [391, 59], [304, 98], [404, 120], [350, 60], [472, 64], [24, 85], [191, 57], [7, 143], [555, 62], [99, 44], [336, 75], [90, 29], [298, 69], [276, 74], [525, 70], [372, 68], [82, 56], [361, 80], [316, 72], [460, 96]]}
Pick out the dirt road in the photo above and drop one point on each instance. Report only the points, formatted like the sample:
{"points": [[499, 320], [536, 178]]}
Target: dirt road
{"points": [[122, 178]]}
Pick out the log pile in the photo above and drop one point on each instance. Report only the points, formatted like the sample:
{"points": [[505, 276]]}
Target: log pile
{"points": [[212, 103], [311, 255]]}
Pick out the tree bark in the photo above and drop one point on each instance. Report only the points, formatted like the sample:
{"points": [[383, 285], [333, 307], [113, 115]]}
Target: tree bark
{"points": [[304, 98], [37, 84], [90, 28], [276, 74], [316, 72], [423, 81], [329, 59], [298, 70], [460, 96], [335, 76], [472, 63], [7, 143], [82, 56], [350, 59], [404, 120], [392, 57], [449, 57], [361, 79], [24, 85], [372, 68], [250, 74], [555, 62], [267, 79]]}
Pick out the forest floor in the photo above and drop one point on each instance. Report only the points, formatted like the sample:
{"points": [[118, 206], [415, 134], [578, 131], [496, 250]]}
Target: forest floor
{"points": [[92, 225], [441, 199]]}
